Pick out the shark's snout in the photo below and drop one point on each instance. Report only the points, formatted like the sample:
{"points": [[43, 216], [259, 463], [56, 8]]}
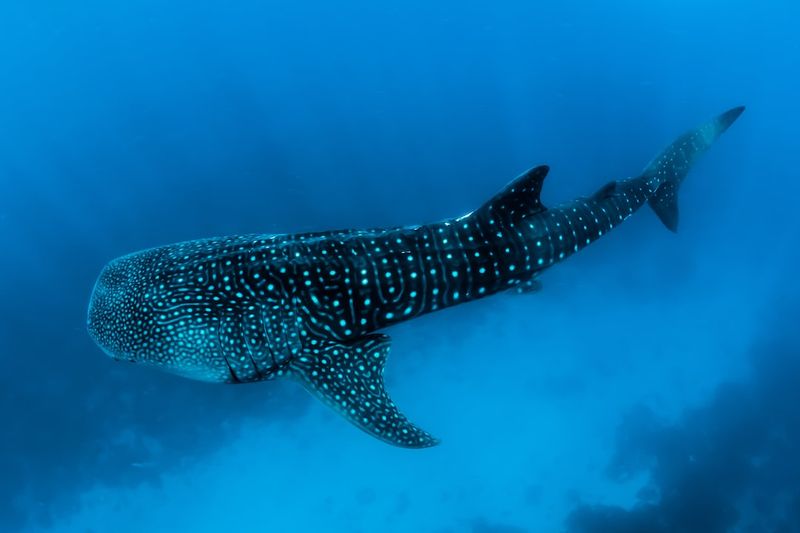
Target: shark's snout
{"points": [[109, 310]]}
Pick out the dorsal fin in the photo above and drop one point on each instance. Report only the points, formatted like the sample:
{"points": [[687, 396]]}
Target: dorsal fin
{"points": [[349, 378], [519, 198], [605, 191]]}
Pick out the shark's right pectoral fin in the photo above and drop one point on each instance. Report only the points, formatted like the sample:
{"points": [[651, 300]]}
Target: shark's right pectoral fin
{"points": [[349, 378]]}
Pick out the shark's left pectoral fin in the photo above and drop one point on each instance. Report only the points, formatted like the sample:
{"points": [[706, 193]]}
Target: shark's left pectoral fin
{"points": [[349, 378]]}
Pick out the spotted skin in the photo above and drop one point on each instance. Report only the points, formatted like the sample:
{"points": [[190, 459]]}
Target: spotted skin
{"points": [[256, 307]]}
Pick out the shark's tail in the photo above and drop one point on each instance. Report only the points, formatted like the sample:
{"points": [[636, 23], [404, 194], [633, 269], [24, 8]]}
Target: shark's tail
{"points": [[665, 173]]}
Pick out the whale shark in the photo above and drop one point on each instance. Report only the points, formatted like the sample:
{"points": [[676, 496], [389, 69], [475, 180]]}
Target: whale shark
{"points": [[313, 306]]}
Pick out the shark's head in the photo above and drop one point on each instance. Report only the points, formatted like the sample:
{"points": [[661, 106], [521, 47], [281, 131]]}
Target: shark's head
{"points": [[119, 318], [148, 308]]}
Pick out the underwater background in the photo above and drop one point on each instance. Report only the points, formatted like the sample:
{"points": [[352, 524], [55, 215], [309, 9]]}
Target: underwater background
{"points": [[650, 386]]}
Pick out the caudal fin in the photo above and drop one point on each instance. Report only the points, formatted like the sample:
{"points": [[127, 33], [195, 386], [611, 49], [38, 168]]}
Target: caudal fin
{"points": [[666, 172]]}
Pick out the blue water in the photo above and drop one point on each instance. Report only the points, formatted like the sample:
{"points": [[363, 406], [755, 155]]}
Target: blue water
{"points": [[651, 386]]}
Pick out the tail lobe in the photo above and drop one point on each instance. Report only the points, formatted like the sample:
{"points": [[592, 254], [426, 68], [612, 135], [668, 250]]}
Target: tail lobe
{"points": [[666, 172]]}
